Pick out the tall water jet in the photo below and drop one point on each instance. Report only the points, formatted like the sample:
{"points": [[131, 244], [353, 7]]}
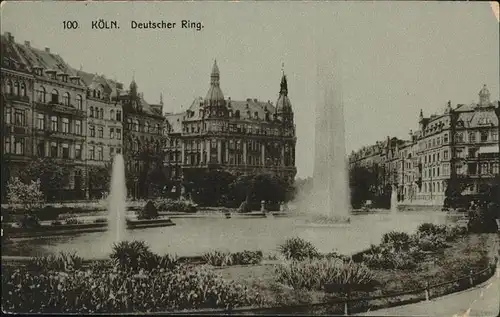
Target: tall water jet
{"points": [[330, 175], [117, 200], [394, 200]]}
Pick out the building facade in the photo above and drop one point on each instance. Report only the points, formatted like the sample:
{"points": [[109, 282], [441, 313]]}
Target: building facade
{"points": [[240, 137], [459, 145]]}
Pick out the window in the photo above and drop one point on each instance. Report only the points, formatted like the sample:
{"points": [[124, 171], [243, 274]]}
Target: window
{"points": [[53, 149], [111, 133], [40, 121], [40, 94], [118, 115], [494, 135], [55, 96], [78, 151], [66, 99], [119, 134], [78, 127], [65, 125], [118, 150], [445, 154], [99, 153], [158, 129], [41, 149], [100, 132], [112, 115], [7, 144], [445, 139], [19, 117], [19, 145], [16, 88], [79, 102], [8, 115], [146, 127], [53, 123], [101, 112], [494, 168], [111, 151], [9, 87], [459, 137], [136, 125], [92, 131], [484, 136], [472, 137], [65, 151], [23, 90], [91, 152], [91, 112]]}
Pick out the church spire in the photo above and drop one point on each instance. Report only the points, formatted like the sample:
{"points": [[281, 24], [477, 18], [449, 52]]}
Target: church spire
{"points": [[283, 85], [161, 98], [215, 75]]}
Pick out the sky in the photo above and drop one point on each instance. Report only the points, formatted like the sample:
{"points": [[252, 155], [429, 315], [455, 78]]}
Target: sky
{"points": [[396, 57]]}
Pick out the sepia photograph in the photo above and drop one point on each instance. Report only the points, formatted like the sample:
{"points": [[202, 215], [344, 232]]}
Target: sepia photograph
{"points": [[250, 158]]}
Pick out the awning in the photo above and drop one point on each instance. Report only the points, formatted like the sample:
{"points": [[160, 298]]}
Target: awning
{"points": [[489, 149]]}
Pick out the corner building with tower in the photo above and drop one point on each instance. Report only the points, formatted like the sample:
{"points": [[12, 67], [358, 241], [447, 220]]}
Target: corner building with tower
{"points": [[238, 136]]}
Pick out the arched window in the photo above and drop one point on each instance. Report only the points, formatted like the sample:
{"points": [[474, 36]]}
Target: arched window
{"points": [[79, 102], [101, 112], [40, 94], [99, 94], [91, 112], [16, 88], [256, 115], [9, 87], [66, 99], [55, 96], [112, 115], [146, 126], [237, 114], [23, 89]]}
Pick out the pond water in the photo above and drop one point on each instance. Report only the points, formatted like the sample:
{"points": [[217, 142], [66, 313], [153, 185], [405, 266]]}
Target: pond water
{"points": [[194, 236]]}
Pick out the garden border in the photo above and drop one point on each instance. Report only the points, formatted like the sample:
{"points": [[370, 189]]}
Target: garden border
{"points": [[472, 279]]}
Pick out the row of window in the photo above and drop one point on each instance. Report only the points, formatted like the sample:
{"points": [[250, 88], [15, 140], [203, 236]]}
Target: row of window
{"points": [[97, 152], [114, 133], [136, 126], [64, 124], [60, 150], [98, 113], [17, 88], [55, 98], [472, 136], [17, 118]]}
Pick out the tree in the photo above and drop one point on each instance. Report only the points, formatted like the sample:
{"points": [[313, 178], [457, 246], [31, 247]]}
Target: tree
{"points": [[211, 187], [454, 188], [51, 174], [361, 182], [28, 196]]}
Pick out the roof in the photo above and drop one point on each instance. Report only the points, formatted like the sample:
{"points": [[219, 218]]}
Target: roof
{"points": [[11, 57]]}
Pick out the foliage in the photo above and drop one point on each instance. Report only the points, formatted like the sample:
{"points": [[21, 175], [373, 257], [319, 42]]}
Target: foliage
{"points": [[327, 274], [455, 186], [431, 229], [381, 257], [63, 262], [72, 221], [99, 176], [28, 196], [221, 258], [397, 241], [56, 223], [298, 249], [136, 255], [180, 205], [148, 212], [52, 175], [361, 180], [483, 220], [209, 187], [102, 290], [100, 220], [30, 221]]}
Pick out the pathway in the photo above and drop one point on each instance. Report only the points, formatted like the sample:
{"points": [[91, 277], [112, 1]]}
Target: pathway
{"points": [[480, 301]]}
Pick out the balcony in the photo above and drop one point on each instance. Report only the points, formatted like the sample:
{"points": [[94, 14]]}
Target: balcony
{"points": [[59, 108], [15, 129], [13, 97], [60, 135]]}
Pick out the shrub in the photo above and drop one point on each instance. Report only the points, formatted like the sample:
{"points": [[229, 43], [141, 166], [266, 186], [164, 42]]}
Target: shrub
{"points": [[28, 196], [298, 249], [100, 220], [381, 257], [398, 241], [182, 205], [62, 262], [106, 291], [72, 221], [247, 257], [218, 258], [327, 274], [49, 213], [148, 212], [29, 221], [431, 229], [131, 256], [431, 242]]}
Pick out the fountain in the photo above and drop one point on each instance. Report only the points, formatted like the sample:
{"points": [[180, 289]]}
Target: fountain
{"points": [[394, 200], [329, 203], [117, 205]]}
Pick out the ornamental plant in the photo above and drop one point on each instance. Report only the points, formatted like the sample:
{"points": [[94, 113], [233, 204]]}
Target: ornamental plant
{"points": [[298, 249]]}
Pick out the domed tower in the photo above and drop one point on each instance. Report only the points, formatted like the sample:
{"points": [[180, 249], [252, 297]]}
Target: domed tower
{"points": [[284, 111], [484, 97], [214, 102]]}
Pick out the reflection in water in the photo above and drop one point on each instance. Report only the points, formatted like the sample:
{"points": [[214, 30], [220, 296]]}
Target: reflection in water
{"points": [[193, 236]]}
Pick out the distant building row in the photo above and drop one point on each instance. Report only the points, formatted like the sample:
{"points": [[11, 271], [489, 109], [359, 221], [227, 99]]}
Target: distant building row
{"points": [[462, 141], [50, 109]]}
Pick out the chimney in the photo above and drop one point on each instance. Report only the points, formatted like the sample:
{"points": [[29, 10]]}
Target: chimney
{"points": [[27, 43], [47, 49]]}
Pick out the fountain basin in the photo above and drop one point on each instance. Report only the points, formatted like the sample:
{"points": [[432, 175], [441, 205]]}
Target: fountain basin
{"points": [[63, 229], [149, 223]]}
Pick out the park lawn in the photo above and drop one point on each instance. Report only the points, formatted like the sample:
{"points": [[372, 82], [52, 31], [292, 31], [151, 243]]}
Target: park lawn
{"points": [[467, 252]]}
